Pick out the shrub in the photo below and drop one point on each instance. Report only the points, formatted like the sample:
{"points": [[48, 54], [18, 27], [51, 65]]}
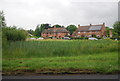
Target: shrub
{"points": [[79, 38], [13, 34]]}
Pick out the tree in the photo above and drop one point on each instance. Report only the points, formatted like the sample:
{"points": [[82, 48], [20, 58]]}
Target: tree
{"points": [[13, 34], [116, 30], [2, 19], [45, 26], [62, 26], [39, 29], [108, 31], [71, 28], [31, 31], [57, 26]]}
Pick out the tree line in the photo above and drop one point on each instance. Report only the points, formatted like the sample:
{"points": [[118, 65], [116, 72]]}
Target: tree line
{"points": [[72, 28], [12, 33], [40, 27]]}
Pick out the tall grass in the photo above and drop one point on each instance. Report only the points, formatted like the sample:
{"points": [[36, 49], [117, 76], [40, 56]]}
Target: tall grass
{"points": [[27, 49]]}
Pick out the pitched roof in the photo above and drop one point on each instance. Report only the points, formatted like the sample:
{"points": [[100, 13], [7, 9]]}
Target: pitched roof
{"points": [[89, 28], [95, 27], [83, 28], [55, 30]]}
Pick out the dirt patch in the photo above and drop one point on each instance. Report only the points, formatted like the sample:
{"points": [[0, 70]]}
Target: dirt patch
{"points": [[51, 72], [48, 71]]}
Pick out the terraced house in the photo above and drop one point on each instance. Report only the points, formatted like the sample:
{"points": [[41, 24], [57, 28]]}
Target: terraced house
{"points": [[90, 31], [55, 33]]}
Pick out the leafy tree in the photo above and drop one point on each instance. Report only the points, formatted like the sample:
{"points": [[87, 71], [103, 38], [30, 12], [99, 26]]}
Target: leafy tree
{"points": [[57, 26], [2, 25], [14, 34], [39, 29], [63, 26], [116, 30], [45, 26], [108, 31], [2, 19], [31, 31], [71, 28]]}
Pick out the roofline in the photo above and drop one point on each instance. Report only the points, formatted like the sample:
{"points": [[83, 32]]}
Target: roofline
{"points": [[92, 25], [56, 32]]}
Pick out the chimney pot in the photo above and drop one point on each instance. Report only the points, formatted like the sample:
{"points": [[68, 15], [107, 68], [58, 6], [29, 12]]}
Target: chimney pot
{"points": [[54, 26], [103, 23], [90, 24]]}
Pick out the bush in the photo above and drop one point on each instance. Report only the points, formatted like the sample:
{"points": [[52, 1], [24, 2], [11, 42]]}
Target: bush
{"points": [[13, 34], [79, 38]]}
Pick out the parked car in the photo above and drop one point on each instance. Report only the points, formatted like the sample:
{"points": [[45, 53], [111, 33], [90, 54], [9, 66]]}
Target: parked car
{"points": [[40, 38], [116, 39], [32, 38], [92, 38], [67, 38]]}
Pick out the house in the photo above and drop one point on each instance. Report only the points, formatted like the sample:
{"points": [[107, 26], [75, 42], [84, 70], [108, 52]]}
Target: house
{"points": [[54, 32], [90, 31]]}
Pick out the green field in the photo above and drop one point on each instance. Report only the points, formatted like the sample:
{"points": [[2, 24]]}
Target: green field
{"points": [[61, 56]]}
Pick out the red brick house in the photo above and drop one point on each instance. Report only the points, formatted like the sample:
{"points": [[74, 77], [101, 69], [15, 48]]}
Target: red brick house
{"points": [[90, 31], [55, 33]]}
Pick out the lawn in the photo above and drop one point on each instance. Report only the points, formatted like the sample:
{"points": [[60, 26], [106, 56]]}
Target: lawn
{"points": [[61, 56]]}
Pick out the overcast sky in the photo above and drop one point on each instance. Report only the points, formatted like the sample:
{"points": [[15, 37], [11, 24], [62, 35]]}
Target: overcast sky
{"points": [[28, 13]]}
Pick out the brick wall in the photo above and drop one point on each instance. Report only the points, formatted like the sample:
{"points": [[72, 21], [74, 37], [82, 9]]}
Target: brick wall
{"points": [[88, 34], [100, 33], [56, 35]]}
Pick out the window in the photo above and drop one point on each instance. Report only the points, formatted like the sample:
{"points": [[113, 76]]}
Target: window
{"points": [[78, 32], [78, 35], [84, 32]]}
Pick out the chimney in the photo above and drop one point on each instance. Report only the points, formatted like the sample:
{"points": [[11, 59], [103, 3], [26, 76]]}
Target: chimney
{"points": [[90, 24], [78, 25], [103, 23], [54, 26], [110, 34]]}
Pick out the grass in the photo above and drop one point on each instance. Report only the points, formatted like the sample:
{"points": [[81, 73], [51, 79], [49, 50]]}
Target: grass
{"points": [[61, 56]]}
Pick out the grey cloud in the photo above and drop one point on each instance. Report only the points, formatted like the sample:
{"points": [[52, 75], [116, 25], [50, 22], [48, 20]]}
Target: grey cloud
{"points": [[29, 13]]}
